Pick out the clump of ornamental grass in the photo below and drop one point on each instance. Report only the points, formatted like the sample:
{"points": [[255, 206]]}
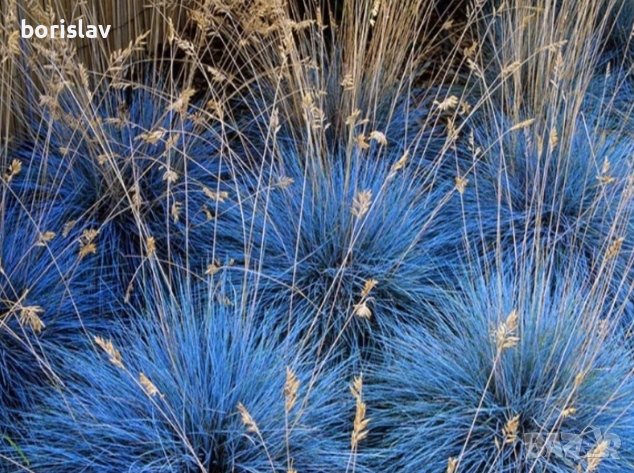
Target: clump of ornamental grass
{"points": [[549, 140], [347, 250], [533, 192], [52, 292], [525, 372], [146, 166], [336, 218], [194, 385]]}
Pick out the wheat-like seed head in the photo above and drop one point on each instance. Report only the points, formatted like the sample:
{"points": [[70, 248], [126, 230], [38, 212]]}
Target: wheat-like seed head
{"points": [[596, 455], [360, 425], [452, 465], [212, 269], [30, 315], [448, 104], [149, 387], [14, 169], [614, 249], [45, 238], [291, 388], [216, 196], [510, 430], [150, 244], [461, 184], [108, 347], [361, 203], [400, 164], [247, 420], [379, 137], [506, 333], [87, 244], [568, 412], [362, 310]]}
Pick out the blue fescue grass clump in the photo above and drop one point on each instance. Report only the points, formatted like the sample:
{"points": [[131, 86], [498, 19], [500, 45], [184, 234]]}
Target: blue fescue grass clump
{"points": [[206, 359], [523, 374], [141, 164], [311, 238], [532, 194], [49, 297]]}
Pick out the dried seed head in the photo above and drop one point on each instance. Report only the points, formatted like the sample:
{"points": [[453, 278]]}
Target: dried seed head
{"points": [[219, 196], [14, 169], [461, 184], [247, 420], [450, 103], [522, 125], [108, 347], [170, 176], [30, 315], [604, 177], [510, 69], [379, 137], [212, 269], [285, 182], [44, 238], [87, 245], [375, 11], [452, 465], [362, 141], [291, 388], [506, 333], [361, 203], [148, 386], [275, 121], [614, 249], [151, 246], [68, 226], [400, 164], [181, 104], [362, 310], [452, 132], [368, 286], [87, 249], [510, 430], [360, 426], [568, 412], [353, 119], [175, 211], [580, 378], [596, 455], [348, 82], [152, 137]]}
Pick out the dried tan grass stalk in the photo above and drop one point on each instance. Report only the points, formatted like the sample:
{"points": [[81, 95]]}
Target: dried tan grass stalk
{"points": [[247, 420], [505, 334], [291, 388], [149, 387], [108, 347], [360, 425]]}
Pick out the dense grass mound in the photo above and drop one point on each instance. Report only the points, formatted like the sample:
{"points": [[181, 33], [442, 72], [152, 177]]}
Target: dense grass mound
{"points": [[52, 287], [194, 386], [533, 194], [523, 374], [145, 165], [348, 249]]}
